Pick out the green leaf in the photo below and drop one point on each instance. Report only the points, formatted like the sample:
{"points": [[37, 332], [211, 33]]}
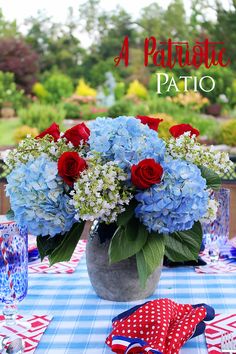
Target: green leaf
{"points": [[127, 241], [46, 244], [10, 215], [184, 245], [41, 247], [213, 180], [128, 214], [150, 256], [64, 251]]}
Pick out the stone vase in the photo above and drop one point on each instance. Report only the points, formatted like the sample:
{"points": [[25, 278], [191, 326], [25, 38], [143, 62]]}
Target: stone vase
{"points": [[119, 281]]}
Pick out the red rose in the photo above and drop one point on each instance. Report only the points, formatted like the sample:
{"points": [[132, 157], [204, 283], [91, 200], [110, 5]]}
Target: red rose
{"points": [[180, 129], [53, 130], [77, 134], [146, 173], [153, 123], [70, 166]]}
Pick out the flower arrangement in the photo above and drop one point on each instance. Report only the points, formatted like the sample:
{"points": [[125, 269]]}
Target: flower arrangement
{"points": [[118, 171]]}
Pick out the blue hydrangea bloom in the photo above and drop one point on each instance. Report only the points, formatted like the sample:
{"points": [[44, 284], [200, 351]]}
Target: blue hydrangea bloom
{"points": [[125, 140], [37, 197], [177, 202]]}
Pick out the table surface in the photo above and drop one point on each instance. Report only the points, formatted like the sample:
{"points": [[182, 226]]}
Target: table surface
{"points": [[81, 320]]}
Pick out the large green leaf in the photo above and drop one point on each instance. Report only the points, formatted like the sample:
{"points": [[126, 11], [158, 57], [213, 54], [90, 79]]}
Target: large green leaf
{"points": [[150, 256], [127, 240], [213, 180], [184, 245], [46, 244], [128, 214], [64, 251]]}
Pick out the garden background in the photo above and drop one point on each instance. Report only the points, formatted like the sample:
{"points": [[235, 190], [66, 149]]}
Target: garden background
{"points": [[47, 74]]}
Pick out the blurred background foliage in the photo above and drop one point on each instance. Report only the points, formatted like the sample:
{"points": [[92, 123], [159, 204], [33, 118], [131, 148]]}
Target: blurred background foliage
{"points": [[47, 75]]}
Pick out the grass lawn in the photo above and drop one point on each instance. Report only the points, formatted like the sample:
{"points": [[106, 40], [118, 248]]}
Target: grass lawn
{"points": [[7, 128]]}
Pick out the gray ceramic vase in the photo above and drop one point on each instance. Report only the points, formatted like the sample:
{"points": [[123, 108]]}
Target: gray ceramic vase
{"points": [[119, 281]]}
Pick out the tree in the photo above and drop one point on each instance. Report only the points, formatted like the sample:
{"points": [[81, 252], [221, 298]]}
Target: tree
{"points": [[17, 57], [57, 45], [7, 29], [108, 30], [151, 21], [175, 23], [118, 25], [89, 14], [225, 29]]}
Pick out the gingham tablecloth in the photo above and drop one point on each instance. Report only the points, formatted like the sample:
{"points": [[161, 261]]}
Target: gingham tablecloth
{"points": [[81, 320]]}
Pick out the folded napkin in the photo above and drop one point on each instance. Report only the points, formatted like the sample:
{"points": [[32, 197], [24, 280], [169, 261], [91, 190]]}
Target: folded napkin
{"points": [[220, 267], [33, 252], [222, 324], [61, 267], [31, 337], [157, 327]]}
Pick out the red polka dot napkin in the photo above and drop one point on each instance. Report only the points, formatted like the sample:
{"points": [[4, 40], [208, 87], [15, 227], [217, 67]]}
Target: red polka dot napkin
{"points": [[157, 327]]}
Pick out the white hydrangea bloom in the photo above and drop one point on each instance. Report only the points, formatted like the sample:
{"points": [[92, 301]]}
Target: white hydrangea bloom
{"points": [[100, 193], [187, 148], [31, 148], [211, 211]]}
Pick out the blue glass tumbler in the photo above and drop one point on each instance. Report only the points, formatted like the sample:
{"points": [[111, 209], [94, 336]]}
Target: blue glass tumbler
{"points": [[13, 269], [216, 233]]}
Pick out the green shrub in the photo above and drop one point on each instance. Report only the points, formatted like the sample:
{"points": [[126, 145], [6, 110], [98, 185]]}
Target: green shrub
{"points": [[83, 89], [8, 90], [119, 90], [140, 109], [137, 89], [227, 134], [39, 90], [73, 111], [153, 84], [41, 116], [162, 105], [89, 112], [231, 93], [58, 86], [21, 133], [207, 126], [223, 82], [165, 125], [120, 108]]}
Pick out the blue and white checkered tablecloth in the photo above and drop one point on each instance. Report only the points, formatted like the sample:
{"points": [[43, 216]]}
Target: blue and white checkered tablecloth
{"points": [[81, 320]]}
